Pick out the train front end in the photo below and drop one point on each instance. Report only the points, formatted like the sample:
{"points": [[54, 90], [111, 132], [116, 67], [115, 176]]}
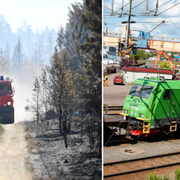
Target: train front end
{"points": [[138, 107]]}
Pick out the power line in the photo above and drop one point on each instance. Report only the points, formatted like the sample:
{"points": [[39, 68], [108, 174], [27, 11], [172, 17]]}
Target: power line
{"points": [[169, 8], [135, 29], [160, 6], [164, 3], [137, 5], [107, 8], [153, 9], [117, 24], [115, 15], [112, 17], [149, 22], [123, 7], [131, 8], [167, 22]]}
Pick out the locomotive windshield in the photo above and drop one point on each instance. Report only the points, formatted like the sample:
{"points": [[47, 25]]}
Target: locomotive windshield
{"points": [[140, 90], [4, 88]]}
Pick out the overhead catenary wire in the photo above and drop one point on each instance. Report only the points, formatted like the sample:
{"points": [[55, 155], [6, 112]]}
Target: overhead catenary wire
{"points": [[168, 8], [107, 9], [122, 7], [155, 22], [140, 29], [137, 5], [161, 5], [112, 17], [115, 15], [140, 4], [164, 3], [150, 10]]}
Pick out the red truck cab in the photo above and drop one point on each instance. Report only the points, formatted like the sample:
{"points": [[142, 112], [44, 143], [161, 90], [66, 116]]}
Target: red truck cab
{"points": [[6, 101]]}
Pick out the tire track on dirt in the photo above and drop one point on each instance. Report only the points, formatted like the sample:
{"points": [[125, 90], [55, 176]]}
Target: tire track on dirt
{"points": [[13, 152]]}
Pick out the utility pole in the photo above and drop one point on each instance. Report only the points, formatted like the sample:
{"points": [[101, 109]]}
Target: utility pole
{"points": [[129, 20], [122, 8], [155, 14], [147, 11], [112, 12]]}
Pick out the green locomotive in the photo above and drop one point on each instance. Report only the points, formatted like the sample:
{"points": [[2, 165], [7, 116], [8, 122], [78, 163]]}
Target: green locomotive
{"points": [[152, 105]]}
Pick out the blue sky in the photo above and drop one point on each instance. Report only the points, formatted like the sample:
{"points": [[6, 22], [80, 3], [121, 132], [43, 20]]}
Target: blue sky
{"points": [[146, 23], [37, 13]]}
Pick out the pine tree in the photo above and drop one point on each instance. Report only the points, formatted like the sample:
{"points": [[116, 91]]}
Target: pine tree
{"points": [[4, 64], [36, 104], [74, 19], [44, 91], [7, 51], [50, 43], [18, 58], [88, 40], [25, 32], [62, 90], [41, 46]]}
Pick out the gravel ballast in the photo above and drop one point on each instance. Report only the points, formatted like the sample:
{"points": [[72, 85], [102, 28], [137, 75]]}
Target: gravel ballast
{"points": [[114, 153]]}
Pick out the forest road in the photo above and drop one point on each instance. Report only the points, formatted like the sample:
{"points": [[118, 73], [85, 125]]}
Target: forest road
{"points": [[13, 153]]}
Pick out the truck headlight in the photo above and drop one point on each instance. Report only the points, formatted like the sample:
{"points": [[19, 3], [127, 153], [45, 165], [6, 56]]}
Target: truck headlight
{"points": [[126, 111], [9, 103]]}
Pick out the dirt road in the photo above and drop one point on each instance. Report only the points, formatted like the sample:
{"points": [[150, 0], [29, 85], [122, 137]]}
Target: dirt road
{"points": [[13, 153]]}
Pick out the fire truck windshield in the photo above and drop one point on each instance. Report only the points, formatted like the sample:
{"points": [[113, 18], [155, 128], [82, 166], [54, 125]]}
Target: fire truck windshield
{"points": [[5, 88]]}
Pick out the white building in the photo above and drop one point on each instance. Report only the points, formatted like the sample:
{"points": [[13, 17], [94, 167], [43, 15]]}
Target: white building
{"points": [[132, 73]]}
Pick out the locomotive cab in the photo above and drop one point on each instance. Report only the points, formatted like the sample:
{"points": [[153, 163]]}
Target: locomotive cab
{"points": [[152, 105]]}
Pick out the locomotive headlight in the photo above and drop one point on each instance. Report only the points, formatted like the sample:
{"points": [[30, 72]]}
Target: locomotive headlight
{"points": [[141, 115], [9, 103], [126, 111]]}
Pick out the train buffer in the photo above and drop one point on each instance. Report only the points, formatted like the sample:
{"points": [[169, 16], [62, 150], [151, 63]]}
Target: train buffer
{"points": [[113, 128]]}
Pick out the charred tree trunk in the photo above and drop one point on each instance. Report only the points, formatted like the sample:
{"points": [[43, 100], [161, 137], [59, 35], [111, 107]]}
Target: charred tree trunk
{"points": [[99, 137], [81, 130], [64, 133]]}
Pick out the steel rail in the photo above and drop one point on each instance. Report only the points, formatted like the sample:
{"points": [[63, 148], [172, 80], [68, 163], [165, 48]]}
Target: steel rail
{"points": [[143, 169], [110, 109], [113, 107]]}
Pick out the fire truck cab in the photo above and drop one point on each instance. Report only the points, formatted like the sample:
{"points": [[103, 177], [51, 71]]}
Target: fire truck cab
{"points": [[6, 101]]}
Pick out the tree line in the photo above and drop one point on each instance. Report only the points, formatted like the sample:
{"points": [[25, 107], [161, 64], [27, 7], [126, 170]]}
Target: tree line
{"points": [[142, 54], [69, 88], [24, 50]]}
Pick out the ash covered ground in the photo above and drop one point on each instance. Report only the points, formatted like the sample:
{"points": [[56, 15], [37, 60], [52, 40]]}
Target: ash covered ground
{"points": [[50, 159]]}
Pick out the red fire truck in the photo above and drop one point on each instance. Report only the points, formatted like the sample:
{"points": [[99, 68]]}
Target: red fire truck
{"points": [[6, 101]]}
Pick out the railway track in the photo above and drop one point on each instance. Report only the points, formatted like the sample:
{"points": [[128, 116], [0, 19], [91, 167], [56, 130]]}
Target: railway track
{"points": [[112, 121], [112, 110], [128, 167]]}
